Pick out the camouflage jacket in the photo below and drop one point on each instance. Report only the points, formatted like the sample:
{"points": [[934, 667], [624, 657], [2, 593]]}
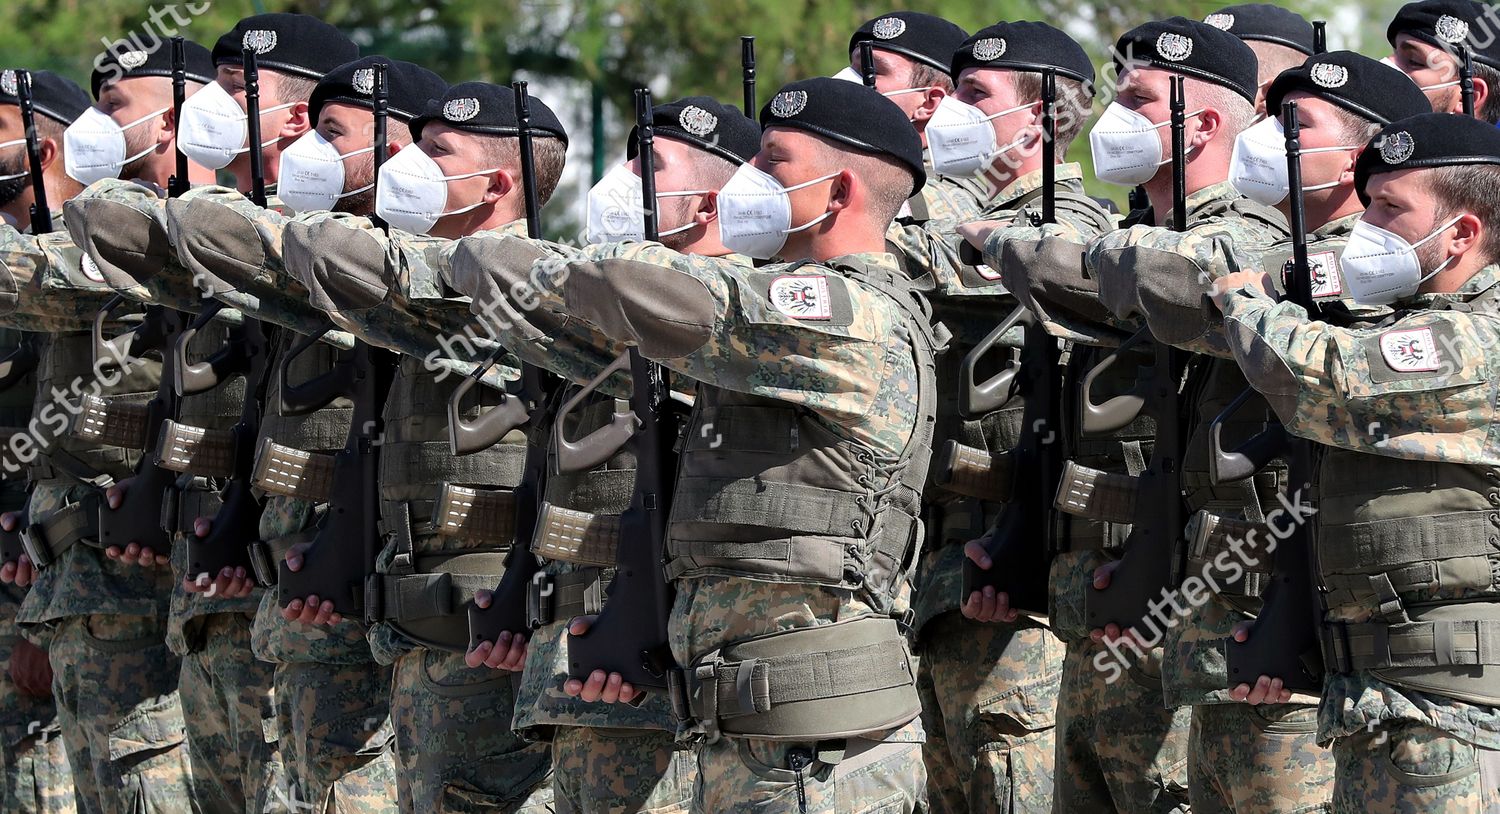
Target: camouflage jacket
{"points": [[946, 198]]}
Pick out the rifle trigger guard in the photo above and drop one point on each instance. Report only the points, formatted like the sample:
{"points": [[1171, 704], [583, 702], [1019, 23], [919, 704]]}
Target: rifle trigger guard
{"points": [[601, 444], [1117, 412], [1248, 459], [976, 399], [486, 430]]}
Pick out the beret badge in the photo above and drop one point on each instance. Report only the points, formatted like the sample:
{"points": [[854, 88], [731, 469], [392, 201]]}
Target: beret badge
{"points": [[1223, 22], [888, 28], [130, 60], [989, 48], [789, 103], [1397, 147], [697, 121], [1328, 75], [1451, 29], [461, 110], [1174, 47], [259, 41], [364, 81]]}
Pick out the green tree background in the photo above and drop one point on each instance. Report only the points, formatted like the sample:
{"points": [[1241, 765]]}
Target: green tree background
{"points": [[605, 48]]}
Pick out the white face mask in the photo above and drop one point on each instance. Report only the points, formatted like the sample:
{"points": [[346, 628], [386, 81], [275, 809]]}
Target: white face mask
{"points": [[755, 212], [961, 137], [214, 128], [1381, 267], [24, 171], [1258, 168], [412, 192], [312, 174], [1126, 146], [614, 208], [94, 146]]}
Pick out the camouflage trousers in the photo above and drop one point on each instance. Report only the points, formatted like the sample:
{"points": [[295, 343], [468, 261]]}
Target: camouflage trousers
{"points": [[1118, 747], [115, 684], [1258, 760], [604, 771], [455, 751], [35, 777], [228, 705], [989, 705], [334, 727], [1406, 766]]}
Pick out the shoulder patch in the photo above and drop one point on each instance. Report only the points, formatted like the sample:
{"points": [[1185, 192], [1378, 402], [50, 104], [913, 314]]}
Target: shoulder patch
{"points": [[802, 296], [1326, 279], [90, 269], [1411, 350]]}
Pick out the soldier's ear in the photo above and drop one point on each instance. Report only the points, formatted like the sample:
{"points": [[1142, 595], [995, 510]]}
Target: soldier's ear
{"points": [[841, 191], [1469, 232], [502, 183], [1482, 91], [168, 129], [931, 98], [1210, 123], [298, 121], [708, 208], [51, 152]]}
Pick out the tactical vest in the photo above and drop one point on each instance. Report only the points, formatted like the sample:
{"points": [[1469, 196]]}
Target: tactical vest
{"points": [[321, 430], [767, 491], [431, 575], [67, 364], [216, 409], [16, 400]]}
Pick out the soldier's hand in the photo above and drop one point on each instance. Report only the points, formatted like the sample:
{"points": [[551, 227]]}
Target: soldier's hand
{"points": [[309, 611], [610, 688], [134, 553], [231, 583], [30, 669], [18, 573], [508, 653], [1111, 631], [1257, 280], [978, 232], [1267, 690], [988, 605]]}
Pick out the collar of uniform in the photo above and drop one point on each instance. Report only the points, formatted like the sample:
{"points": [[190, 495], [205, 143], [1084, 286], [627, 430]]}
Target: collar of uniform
{"points": [[866, 259], [1209, 195], [1336, 229], [516, 228], [1016, 193], [1482, 282]]}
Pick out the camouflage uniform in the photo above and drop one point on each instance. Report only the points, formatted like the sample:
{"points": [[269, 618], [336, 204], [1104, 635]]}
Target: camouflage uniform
{"points": [[104, 623], [716, 322], [331, 700], [947, 199], [35, 777], [451, 753], [226, 692], [989, 690], [1407, 408]]}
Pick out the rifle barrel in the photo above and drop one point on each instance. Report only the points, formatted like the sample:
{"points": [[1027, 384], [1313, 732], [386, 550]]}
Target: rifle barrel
{"points": [[252, 119], [528, 161], [179, 182], [1179, 156], [747, 73], [646, 154], [41, 211], [867, 63], [1049, 146]]}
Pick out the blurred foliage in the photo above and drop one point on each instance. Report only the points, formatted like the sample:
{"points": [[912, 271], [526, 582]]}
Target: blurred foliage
{"points": [[677, 47]]}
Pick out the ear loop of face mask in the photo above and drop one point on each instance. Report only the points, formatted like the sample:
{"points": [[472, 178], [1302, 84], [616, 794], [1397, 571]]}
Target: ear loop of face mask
{"points": [[446, 178], [683, 194], [351, 154], [819, 219], [1185, 153], [273, 139], [21, 174], [126, 127], [1441, 229]]}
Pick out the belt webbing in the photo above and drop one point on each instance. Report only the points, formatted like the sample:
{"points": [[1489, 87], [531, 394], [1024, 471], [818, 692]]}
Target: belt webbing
{"points": [[1351, 646], [47, 540]]}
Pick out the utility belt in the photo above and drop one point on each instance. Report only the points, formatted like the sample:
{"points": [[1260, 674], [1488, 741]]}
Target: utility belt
{"points": [[817, 683], [47, 540]]}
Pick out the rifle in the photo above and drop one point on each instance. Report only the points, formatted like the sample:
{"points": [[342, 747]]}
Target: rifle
{"points": [[1466, 78], [1148, 564], [629, 636], [747, 73], [1284, 637], [338, 564], [509, 610], [1021, 542], [867, 63], [179, 183], [1320, 37]]}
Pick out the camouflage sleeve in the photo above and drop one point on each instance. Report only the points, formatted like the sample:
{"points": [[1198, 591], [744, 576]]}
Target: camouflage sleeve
{"points": [[930, 248], [122, 228], [383, 288], [1420, 388], [234, 250], [801, 334], [515, 287], [46, 285]]}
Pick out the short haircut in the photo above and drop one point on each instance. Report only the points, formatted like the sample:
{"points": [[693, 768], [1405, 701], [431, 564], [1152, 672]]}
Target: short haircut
{"points": [[709, 171], [1272, 59], [1491, 110], [1238, 112], [1356, 128], [1075, 101], [548, 153], [889, 181], [293, 88], [926, 76], [1472, 188]]}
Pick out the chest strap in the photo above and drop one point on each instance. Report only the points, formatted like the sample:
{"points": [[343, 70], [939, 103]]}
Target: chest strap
{"points": [[577, 537], [1211, 536], [484, 516], [560, 597], [111, 422], [829, 681], [59, 462], [196, 451], [1094, 494], [974, 472], [291, 472], [1350, 646], [47, 540]]}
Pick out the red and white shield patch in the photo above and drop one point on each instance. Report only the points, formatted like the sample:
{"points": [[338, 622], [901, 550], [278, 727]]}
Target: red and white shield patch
{"points": [[1413, 350], [802, 296], [1325, 274]]}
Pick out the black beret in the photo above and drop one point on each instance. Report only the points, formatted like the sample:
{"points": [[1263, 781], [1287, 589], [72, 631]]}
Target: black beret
{"points": [[923, 37], [480, 107], [1264, 22], [1192, 49], [851, 114], [289, 43], [1448, 23], [53, 96], [114, 65], [1023, 46], [1366, 87], [707, 124], [1424, 141], [411, 87]]}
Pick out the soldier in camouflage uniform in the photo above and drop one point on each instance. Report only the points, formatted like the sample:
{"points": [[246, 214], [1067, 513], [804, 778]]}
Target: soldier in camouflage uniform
{"points": [[1407, 484], [35, 765], [614, 757], [1425, 37], [911, 52], [114, 680], [1281, 39], [451, 753], [326, 708]]}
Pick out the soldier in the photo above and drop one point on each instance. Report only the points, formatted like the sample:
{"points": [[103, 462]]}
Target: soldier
{"points": [[1407, 484], [989, 690], [1280, 38], [1425, 37], [34, 762], [911, 51], [616, 757]]}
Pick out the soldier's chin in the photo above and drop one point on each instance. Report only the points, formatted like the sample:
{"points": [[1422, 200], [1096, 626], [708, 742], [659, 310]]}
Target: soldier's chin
{"points": [[12, 189], [360, 203]]}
